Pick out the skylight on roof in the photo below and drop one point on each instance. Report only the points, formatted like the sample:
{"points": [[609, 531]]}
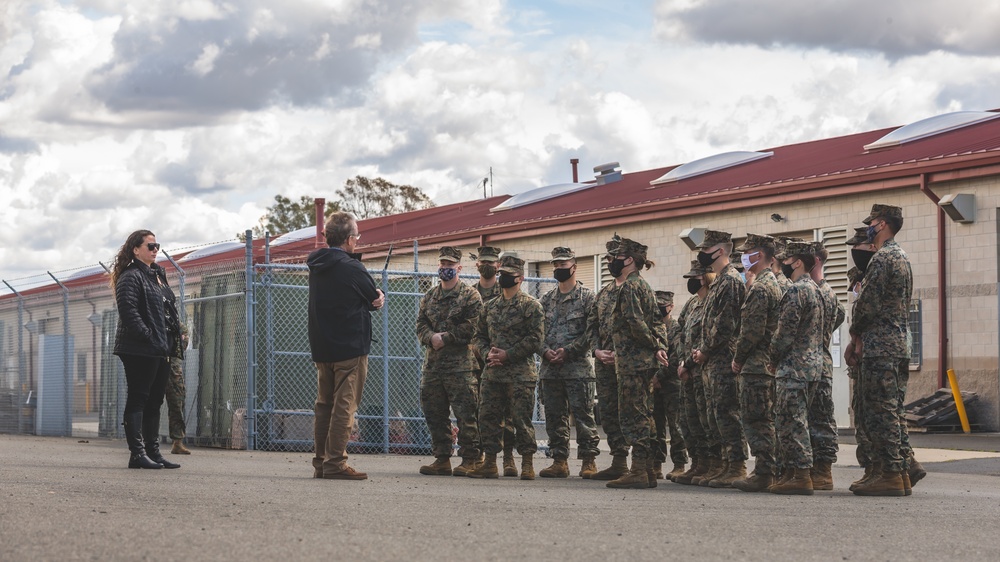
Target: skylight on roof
{"points": [[540, 194], [710, 164], [931, 126]]}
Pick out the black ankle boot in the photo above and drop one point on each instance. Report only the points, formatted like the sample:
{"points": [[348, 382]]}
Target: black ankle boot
{"points": [[133, 436], [151, 436]]}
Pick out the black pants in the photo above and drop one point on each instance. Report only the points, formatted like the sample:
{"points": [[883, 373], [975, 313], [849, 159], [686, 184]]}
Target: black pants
{"points": [[146, 378]]}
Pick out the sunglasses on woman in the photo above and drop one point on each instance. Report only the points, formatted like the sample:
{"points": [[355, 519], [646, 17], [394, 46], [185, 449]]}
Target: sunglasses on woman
{"points": [[152, 246]]}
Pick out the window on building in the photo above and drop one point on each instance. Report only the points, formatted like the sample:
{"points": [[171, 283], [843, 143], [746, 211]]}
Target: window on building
{"points": [[915, 334], [81, 367]]}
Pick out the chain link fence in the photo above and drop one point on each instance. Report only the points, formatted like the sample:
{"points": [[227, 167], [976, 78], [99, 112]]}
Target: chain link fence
{"points": [[250, 380]]}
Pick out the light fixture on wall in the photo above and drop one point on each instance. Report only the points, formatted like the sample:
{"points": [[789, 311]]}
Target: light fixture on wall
{"points": [[692, 237], [776, 217], [961, 207]]}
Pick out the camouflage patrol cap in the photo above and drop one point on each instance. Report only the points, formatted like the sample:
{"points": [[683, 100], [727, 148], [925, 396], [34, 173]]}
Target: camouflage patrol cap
{"points": [[735, 259], [488, 253], [860, 236], [757, 241], [560, 253], [853, 276], [713, 237], [612, 245], [450, 253], [632, 249], [803, 248], [882, 212], [512, 264], [697, 270], [664, 298]]}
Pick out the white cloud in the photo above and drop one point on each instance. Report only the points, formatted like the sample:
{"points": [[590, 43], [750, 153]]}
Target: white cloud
{"points": [[206, 60]]}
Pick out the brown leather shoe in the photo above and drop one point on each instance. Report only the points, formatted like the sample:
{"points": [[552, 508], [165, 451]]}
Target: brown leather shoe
{"points": [[347, 474]]}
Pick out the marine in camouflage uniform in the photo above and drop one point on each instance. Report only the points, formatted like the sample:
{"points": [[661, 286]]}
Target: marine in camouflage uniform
{"points": [[638, 336], [446, 322], [822, 422], [667, 398], [702, 437], [510, 330], [720, 330], [880, 320], [779, 248], [599, 329], [758, 321], [797, 356], [864, 446], [486, 263], [176, 394], [568, 385]]}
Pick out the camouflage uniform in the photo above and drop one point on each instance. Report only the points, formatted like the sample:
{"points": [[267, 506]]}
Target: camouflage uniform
{"points": [[449, 374], [880, 319], [176, 390], [822, 423], [600, 329], [667, 402], [721, 327], [514, 325], [797, 355], [758, 321], [568, 387], [637, 334], [492, 254], [699, 441]]}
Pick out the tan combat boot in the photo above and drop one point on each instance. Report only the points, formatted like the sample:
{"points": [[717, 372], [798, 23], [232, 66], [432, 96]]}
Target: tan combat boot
{"points": [[528, 469], [822, 475], [636, 478], [712, 467], [440, 467], [178, 448], [677, 471], [486, 470], [915, 471], [697, 469], [785, 476], [800, 484], [589, 468], [887, 484], [650, 474], [509, 468], [467, 466], [618, 468], [734, 471], [871, 471], [706, 480], [559, 469], [756, 482], [658, 470], [907, 487]]}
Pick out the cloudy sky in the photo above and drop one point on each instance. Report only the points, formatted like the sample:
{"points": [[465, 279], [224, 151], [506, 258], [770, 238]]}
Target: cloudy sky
{"points": [[188, 116]]}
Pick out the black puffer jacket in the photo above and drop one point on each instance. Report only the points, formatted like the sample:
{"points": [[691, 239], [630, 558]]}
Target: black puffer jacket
{"points": [[142, 328]]}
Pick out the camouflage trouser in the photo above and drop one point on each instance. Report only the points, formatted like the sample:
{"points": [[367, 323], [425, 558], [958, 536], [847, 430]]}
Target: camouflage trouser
{"points": [[864, 450], [791, 422], [562, 398], [693, 395], [607, 399], [507, 400], [883, 383], [757, 404], [176, 393], [667, 417], [726, 393], [507, 439], [822, 424], [441, 392], [706, 411], [635, 411]]}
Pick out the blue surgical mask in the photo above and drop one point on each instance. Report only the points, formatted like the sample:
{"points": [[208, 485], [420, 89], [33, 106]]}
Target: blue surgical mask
{"points": [[872, 233]]}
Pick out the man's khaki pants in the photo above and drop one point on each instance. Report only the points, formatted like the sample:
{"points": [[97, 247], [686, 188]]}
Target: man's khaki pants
{"points": [[340, 384]]}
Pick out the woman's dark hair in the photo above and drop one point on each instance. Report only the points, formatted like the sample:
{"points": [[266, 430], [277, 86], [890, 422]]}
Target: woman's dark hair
{"points": [[125, 255]]}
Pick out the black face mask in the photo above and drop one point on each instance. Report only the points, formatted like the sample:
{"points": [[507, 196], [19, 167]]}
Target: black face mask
{"points": [[707, 259], [861, 258], [787, 270], [563, 274], [663, 312], [616, 267], [507, 280], [487, 271], [693, 285]]}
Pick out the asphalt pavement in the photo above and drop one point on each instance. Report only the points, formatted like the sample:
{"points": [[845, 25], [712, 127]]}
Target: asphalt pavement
{"points": [[73, 499]]}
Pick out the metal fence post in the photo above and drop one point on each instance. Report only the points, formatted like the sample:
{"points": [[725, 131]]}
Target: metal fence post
{"points": [[20, 358], [67, 375], [251, 419], [180, 285], [385, 363]]}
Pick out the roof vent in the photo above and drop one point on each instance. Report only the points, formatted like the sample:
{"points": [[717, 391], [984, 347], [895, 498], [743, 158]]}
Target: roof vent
{"points": [[710, 164], [608, 173], [931, 126]]}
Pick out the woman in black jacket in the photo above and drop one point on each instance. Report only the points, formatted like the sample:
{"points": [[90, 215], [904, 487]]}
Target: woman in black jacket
{"points": [[148, 328]]}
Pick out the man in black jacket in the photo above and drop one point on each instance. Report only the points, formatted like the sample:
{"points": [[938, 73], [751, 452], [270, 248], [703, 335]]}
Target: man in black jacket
{"points": [[341, 296]]}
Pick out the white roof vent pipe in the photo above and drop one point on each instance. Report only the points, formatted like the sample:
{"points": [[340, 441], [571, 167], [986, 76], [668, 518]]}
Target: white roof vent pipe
{"points": [[608, 173]]}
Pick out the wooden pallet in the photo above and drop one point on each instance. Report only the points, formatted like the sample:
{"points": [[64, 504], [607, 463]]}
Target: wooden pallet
{"points": [[936, 411]]}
